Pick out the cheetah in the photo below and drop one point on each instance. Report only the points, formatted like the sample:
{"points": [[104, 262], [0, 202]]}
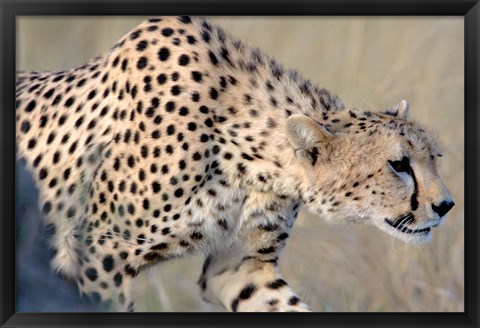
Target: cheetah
{"points": [[183, 140]]}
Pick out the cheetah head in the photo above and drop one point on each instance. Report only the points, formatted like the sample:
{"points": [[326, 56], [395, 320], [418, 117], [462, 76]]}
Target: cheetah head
{"points": [[374, 168]]}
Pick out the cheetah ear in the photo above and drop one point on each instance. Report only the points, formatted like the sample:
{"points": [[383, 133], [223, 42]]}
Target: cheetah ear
{"points": [[400, 110], [310, 140]]}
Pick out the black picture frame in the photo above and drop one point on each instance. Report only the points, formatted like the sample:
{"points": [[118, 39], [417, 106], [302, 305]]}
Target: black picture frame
{"points": [[470, 9]]}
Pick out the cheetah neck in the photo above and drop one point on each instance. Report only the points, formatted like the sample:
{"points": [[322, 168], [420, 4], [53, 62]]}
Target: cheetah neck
{"points": [[252, 121]]}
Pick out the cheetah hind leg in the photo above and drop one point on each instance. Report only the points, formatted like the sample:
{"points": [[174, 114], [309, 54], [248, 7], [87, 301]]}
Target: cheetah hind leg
{"points": [[246, 284], [113, 292]]}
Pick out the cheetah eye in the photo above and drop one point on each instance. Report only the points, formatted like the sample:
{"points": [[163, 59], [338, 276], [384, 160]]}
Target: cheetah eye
{"points": [[402, 165]]}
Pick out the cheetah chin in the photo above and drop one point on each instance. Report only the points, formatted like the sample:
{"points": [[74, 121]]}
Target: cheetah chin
{"points": [[403, 228]]}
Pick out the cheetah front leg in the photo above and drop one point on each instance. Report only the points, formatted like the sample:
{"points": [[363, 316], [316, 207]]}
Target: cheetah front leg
{"points": [[247, 284], [245, 276]]}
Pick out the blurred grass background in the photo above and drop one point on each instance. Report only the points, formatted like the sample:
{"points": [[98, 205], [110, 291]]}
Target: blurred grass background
{"points": [[371, 63]]}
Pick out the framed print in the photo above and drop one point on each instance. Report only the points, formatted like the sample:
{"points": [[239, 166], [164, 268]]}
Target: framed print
{"points": [[194, 165]]}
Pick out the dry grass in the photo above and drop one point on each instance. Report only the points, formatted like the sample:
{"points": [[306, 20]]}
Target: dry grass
{"points": [[370, 63]]}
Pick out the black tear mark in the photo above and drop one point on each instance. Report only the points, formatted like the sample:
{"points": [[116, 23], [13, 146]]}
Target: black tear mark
{"points": [[414, 200]]}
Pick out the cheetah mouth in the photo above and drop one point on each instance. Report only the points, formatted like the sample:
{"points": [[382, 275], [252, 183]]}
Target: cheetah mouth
{"points": [[402, 223]]}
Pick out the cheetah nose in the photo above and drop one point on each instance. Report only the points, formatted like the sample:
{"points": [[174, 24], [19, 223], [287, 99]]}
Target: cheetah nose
{"points": [[443, 208]]}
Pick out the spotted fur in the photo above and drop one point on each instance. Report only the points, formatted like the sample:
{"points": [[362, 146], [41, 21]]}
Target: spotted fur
{"points": [[183, 140]]}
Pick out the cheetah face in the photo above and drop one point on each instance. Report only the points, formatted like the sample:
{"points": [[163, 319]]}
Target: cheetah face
{"points": [[373, 168], [428, 203]]}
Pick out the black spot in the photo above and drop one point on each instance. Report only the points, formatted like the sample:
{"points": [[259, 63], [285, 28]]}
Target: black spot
{"points": [[130, 270], [118, 278], [241, 168], [142, 63], [131, 209], [206, 36], [212, 192], [79, 121], [183, 60], [160, 246], [92, 94], [141, 174], [42, 174], [176, 41], [171, 129], [161, 79], [223, 224], [247, 292], [49, 93], [183, 111], [56, 100], [108, 263], [31, 106], [223, 82], [163, 54], [153, 228], [170, 106], [185, 19], [91, 274], [204, 138], [191, 39], [135, 34], [267, 250], [213, 93], [179, 192], [247, 157], [165, 169], [277, 284], [25, 126], [46, 207], [203, 109], [213, 58], [167, 31], [196, 156], [196, 76], [175, 90], [293, 300], [156, 134], [196, 235], [152, 256], [131, 161], [146, 204]]}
